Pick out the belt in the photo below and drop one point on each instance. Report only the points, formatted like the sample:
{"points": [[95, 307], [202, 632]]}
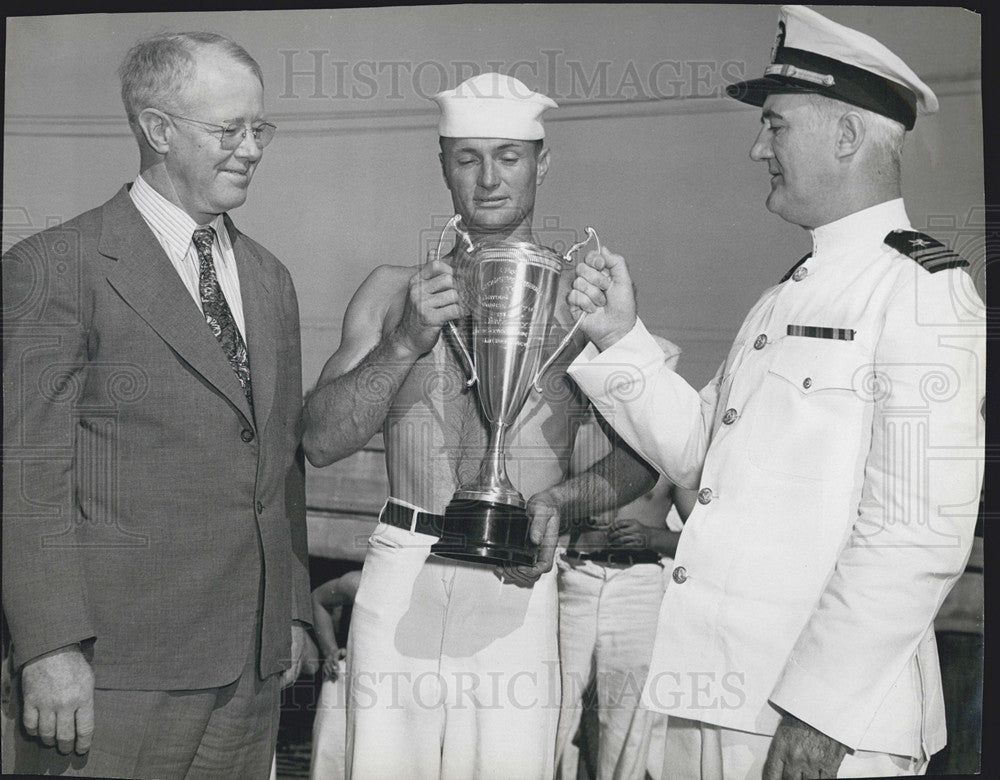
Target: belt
{"points": [[402, 517], [619, 557]]}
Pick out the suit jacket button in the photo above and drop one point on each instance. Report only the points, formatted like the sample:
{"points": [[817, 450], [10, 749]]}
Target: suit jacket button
{"points": [[800, 273], [704, 495], [679, 575], [807, 383], [761, 341], [259, 507], [247, 435], [730, 416]]}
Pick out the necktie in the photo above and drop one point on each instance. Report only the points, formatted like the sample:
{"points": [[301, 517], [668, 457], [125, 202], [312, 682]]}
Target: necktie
{"points": [[217, 313]]}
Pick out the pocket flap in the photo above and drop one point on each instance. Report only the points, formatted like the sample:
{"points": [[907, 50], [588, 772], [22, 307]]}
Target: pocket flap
{"points": [[813, 364]]}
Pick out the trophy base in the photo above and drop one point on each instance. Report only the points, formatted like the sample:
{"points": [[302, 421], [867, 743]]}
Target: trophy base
{"points": [[486, 532]]}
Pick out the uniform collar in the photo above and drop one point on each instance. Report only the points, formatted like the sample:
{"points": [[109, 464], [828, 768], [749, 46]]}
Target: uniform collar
{"points": [[870, 225]]}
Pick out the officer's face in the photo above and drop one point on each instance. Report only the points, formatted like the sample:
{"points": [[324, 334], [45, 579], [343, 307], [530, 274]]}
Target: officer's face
{"points": [[493, 180], [797, 143]]}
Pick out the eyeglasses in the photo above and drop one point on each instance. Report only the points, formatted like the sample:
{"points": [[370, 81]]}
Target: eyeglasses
{"points": [[232, 135]]}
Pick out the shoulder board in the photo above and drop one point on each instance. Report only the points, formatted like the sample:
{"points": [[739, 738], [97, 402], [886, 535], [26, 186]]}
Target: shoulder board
{"points": [[929, 253], [791, 270]]}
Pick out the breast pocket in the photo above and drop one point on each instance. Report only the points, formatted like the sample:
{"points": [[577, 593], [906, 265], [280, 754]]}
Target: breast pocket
{"points": [[811, 414]]}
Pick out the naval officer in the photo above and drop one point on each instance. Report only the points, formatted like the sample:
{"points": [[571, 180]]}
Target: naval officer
{"points": [[838, 451]]}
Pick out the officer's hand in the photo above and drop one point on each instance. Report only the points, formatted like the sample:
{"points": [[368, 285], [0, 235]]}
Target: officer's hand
{"points": [[603, 289], [431, 301], [58, 692], [543, 514], [630, 534], [799, 751]]}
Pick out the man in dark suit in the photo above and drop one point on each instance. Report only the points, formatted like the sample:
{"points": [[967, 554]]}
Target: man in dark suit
{"points": [[155, 572]]}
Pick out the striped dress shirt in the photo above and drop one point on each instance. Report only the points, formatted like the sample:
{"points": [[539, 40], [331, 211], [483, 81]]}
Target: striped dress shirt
{"points": [[174, 229]]}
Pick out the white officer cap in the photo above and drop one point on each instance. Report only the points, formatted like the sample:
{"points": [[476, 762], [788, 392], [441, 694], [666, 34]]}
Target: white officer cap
{"points": [[813, 54], [492, 105]]}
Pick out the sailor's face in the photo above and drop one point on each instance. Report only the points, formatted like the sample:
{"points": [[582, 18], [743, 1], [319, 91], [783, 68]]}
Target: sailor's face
{"points": [[493, 181]]}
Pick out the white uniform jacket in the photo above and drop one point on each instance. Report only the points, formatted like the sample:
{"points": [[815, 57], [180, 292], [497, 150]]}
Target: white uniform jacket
{"points": [[839, 453]]}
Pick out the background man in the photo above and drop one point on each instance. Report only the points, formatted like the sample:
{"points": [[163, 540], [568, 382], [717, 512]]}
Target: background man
{"points": [[454, 671], [327, 761], [154, 543], [611, 582], [838, 450]]}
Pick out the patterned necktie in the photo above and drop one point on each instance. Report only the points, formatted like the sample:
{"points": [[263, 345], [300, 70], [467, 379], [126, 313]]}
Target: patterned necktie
{"points": [[217, 313]]}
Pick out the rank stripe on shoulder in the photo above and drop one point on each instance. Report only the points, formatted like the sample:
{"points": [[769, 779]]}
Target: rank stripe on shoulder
{"points": [[929, 253], [791, 270]]}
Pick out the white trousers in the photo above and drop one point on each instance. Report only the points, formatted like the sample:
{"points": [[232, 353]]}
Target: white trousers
{"points": [[329, 734], [451, 672], [607, 624], [701, 751]]}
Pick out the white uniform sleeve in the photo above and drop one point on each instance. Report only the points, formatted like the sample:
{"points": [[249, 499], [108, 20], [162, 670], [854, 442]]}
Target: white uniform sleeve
{"points": [[656, 412], [916, 516]]}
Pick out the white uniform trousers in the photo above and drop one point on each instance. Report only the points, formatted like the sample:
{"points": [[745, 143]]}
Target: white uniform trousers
{"points": [[607, 622], [451, 672], [329, 734]]}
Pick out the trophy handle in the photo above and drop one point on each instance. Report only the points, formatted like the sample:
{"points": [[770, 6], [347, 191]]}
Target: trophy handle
{"points": [[567, 258], [453, 223]]}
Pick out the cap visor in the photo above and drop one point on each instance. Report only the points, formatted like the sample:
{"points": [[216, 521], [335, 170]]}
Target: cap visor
{"points": [[755, 91]]}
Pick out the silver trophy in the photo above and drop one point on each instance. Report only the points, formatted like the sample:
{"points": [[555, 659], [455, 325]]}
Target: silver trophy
{"points": [[511, 289]]}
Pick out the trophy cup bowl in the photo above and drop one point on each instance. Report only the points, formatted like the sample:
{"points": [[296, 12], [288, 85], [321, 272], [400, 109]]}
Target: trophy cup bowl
{"points": [[511, 291]]}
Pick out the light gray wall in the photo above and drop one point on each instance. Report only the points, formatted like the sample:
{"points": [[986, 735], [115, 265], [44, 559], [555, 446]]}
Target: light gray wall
{"points": [[661, 170]]}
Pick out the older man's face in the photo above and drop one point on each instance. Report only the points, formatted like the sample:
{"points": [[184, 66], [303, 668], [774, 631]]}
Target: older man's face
{"points": [[493, 181], [209, 180], [798, 146]]}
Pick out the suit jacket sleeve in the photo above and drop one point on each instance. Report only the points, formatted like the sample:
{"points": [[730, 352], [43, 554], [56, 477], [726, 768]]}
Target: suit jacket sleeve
{"points": [[295, 493], [631, 383], [44, 367], [917, 512]]}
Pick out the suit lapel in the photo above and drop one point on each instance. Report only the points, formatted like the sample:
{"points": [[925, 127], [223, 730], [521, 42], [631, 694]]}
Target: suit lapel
{"points": [[261, 323], [145, 278]]}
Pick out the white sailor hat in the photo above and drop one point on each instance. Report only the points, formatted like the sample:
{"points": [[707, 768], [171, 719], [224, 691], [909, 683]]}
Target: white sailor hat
{"points": [[813, 54], [492, 105]]}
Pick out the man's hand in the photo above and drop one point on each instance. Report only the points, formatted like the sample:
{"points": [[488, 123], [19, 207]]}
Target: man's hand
{"points": [[543, 514], [628, 534], [299, 639], [431, 302], [603, 289], [331, 664], [800, 751], [59, 699]]}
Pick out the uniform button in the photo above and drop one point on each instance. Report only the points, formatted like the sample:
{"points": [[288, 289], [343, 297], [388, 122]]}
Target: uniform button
{"points": [[259, 507], [730, 416], [247, 435], [704, 495], [679, 575], [800, 273], [761, 341], [807, 383]]}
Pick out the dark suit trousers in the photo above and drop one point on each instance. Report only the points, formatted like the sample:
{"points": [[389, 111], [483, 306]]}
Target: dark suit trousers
{"points": [[214, 732]]}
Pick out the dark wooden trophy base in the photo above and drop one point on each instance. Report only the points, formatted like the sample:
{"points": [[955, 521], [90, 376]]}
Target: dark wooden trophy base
{"points": [[485, 532]]}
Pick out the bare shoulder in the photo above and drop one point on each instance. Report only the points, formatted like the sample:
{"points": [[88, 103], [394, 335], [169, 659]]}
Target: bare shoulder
{"points": [[377, 293], [373, 311]]}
